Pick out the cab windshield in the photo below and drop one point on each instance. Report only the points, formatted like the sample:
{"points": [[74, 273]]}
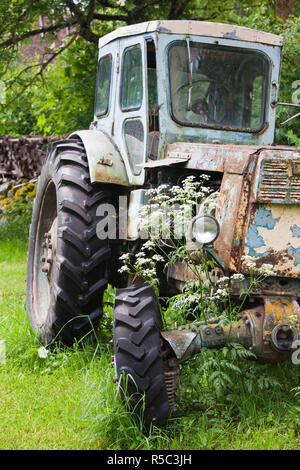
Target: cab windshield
{"points": [[216, 86]]}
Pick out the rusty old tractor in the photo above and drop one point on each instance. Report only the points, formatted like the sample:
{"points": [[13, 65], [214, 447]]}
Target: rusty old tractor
{"points": [[173, 98]]}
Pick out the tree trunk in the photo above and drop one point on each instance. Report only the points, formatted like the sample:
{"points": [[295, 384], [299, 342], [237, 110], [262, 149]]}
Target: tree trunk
{"points": [[285, 8]]}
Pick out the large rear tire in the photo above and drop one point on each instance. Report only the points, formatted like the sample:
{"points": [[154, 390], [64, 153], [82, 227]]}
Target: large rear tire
{"points": [[66, 273], [138, 355]]}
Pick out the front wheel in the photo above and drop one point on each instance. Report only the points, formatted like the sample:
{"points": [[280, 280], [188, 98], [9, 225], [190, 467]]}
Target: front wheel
{"points": [[66, 270], [138, 354]]}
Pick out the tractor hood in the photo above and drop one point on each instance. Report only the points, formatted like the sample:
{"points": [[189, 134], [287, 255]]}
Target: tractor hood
{"points": [[223, 158], [259, 204]]}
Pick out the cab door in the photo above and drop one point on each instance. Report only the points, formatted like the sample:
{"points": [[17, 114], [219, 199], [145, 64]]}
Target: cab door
{"points": [[130, 126], [106, 88]]}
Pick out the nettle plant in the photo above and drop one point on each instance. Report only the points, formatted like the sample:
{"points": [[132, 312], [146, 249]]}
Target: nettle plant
{"points": [[163, 225]]}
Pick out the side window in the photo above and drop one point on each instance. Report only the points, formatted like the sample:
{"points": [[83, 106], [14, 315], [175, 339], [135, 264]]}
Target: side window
{"points": [[103, 85], [132, 79], [134, 139], [151, 71], [257, 96]]}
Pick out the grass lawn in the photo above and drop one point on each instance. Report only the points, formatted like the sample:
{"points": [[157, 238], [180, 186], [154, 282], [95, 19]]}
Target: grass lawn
{"points": [[69, 401]]}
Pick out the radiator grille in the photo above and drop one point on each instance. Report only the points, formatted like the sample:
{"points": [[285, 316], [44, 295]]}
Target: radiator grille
{"points": [[278, 183]]}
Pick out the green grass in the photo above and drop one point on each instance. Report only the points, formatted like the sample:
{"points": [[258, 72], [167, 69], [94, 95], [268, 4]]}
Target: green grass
{"points": [[69, 401]]}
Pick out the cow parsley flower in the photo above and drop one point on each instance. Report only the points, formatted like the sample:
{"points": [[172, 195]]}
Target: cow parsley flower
{"points": [[238, 277], [158, 258], [42, 352], [149, 245], [124, 269]]}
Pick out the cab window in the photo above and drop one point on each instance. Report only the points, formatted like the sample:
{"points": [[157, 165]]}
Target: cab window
{"points": [[132, 79], [103, 85]]}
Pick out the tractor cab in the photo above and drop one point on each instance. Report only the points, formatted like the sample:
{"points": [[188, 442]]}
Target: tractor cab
{"points": [[185, 81]]}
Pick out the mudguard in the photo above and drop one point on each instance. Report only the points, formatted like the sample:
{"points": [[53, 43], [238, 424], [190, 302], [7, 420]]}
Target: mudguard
{"points": [[105, 161]]}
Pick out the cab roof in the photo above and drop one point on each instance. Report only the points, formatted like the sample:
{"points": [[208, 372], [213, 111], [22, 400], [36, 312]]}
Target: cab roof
{"points": [[197, 28]]}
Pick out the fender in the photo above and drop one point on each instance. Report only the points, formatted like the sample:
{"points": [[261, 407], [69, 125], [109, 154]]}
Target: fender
{"points": [[105, 162]]}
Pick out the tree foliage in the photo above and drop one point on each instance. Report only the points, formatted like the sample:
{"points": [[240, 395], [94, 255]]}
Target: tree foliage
{"points": [[53, 93]]}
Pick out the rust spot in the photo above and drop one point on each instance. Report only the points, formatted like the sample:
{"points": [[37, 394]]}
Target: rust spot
{"points": [[263, 130]]}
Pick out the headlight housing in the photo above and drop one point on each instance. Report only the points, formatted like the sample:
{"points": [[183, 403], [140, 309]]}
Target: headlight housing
{"points": [[203, 230]]}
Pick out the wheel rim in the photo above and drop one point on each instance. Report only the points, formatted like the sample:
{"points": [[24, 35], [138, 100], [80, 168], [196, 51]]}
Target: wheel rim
{"points": [[44, 256]]}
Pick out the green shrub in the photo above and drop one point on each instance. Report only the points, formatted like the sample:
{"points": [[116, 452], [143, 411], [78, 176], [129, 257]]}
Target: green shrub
{"points": [[17, 203], [16, 210]]}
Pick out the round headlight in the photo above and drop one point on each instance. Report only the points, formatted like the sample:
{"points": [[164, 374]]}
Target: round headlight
{"points": [[203, 230]]}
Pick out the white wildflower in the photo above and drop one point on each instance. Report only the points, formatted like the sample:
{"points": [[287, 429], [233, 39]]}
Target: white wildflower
{"points": [[175, 189], [251, 265], [43, 352], [158, 258], [191, 202], [149, 273], [267, 268], [223, 279], [124, 269], [141, 261], [152, 192], [219, 294], [144, 211], [238, 277], [149, 245], [162, 188]]}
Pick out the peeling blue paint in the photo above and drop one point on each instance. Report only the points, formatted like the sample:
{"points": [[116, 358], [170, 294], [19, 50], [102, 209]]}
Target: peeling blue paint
{"points": [[254, 240], [231, 35], [263, 218], [295, 252], [295, 231], [251, 167]]}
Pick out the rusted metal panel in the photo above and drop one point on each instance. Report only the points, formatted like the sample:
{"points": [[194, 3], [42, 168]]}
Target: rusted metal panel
{"points": [[227, 212], [213, 157], [182, 272], [266, 231], [258, 212], [170, 161], [100, 151], [274, 328], [199, 28], [278, 177], [269, 330], [275, 286], [224, 158], [269, 229], [180, 341], [273, 237]]}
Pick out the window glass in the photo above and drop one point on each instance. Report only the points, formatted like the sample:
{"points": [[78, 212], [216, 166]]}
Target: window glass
{"points": [[134, 138], [220, 87], [103, 85], [132, 80]]}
